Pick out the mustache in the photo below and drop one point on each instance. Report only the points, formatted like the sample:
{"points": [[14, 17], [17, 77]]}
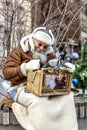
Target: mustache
{"points": [[39, 51], [39, 55]]}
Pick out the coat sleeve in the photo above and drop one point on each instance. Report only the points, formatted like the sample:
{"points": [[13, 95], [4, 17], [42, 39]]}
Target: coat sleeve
{"points": [[11, 69]]}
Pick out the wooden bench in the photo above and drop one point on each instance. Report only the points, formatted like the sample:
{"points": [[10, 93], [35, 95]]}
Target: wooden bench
{"points": [[81, 107], [7, 117]]}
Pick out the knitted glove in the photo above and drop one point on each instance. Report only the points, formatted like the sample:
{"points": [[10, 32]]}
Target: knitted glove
{"points": [[33, 64], [70, 67]]}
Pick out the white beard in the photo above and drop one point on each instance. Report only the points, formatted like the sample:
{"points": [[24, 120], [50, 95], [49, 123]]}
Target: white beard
{"points": [[39, 55]]}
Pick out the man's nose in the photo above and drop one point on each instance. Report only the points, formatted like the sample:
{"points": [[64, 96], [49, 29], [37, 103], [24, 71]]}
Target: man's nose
{"points": [[42, 48]]}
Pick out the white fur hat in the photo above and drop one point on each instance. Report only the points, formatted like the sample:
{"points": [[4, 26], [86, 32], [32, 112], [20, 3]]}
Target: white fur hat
{"points": [[40, 34], [44, 35]]}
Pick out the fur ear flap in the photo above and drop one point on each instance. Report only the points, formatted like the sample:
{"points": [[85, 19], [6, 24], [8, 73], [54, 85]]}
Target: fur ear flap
{"points": [[31, 43], [22, 42], [25, 41]]}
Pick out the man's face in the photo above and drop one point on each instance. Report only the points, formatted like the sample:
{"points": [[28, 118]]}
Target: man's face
{"points": [[38, 53], [40, 46]]}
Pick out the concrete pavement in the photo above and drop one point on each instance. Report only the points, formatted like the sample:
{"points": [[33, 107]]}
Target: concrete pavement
{"points": [[11, 127]]}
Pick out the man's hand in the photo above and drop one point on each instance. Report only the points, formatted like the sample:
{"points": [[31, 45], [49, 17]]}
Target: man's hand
{"points": [[33, 64], [70, 67]]}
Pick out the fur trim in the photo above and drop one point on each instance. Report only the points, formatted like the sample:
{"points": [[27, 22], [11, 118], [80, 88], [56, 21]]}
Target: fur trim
{"points": [[44, 35], [31, 43], [22, 43], [23, 69], [25, 41]]}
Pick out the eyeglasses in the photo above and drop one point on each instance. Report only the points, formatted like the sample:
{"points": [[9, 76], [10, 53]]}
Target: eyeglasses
{"points": [[42, 45]]}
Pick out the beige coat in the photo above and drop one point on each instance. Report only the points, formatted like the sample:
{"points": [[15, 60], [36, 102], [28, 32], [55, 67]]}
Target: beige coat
{"points": [[11, 70]]}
